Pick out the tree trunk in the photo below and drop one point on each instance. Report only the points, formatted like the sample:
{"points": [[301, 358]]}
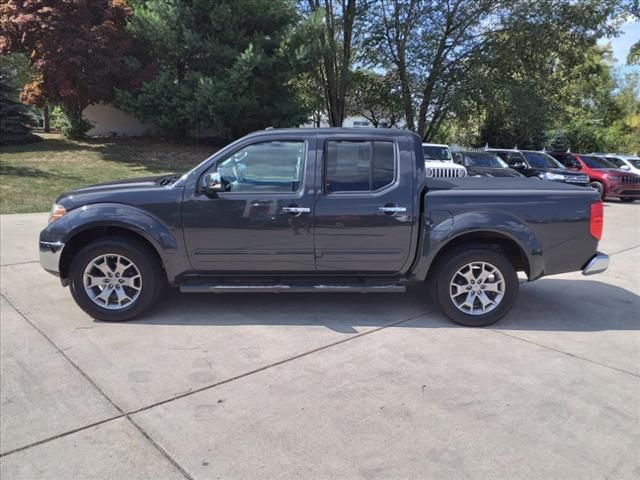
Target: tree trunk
{"points": [[47, 120], [336, 55]]}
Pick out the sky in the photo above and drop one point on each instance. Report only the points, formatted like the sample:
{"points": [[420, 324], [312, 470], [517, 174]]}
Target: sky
{"points": [[621, 45]]}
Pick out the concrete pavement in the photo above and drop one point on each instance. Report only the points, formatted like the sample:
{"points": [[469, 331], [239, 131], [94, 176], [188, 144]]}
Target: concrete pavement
{"points": [[322, 386]]}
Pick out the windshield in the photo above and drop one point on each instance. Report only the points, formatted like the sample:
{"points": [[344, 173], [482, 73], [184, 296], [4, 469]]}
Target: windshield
{"points": [[596, 162], [484, 160], [541, 160], [436, 153]]}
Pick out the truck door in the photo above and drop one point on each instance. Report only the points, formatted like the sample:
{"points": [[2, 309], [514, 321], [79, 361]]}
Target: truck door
{"points": [[364, 205], [263, 221]]}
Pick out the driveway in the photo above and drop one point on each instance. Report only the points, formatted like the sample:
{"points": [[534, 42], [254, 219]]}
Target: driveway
{"points": [[322, 386]]}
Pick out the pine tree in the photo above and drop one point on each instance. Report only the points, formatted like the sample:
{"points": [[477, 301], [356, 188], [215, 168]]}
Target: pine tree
{"points": [[15, 118]]}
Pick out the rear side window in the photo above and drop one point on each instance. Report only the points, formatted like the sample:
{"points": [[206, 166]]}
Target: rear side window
{"points": [[358, 166]]}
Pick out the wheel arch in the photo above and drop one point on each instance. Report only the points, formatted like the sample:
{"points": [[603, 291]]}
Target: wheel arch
{"points": [[82, 237], [497, 241], [502, 231]]}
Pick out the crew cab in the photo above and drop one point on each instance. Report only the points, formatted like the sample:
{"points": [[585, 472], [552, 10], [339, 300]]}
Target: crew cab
{"points": [[541, 165], [319, 210], [604, 176]]}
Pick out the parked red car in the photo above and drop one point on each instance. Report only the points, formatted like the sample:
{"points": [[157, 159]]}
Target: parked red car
{"points": [[603, 175]]}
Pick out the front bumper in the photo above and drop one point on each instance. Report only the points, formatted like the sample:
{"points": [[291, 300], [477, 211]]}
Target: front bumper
{"points": [[598, 264], [50, 253]]}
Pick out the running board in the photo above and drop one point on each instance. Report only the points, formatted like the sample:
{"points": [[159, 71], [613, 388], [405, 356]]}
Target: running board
{"points": [[205, 288]]}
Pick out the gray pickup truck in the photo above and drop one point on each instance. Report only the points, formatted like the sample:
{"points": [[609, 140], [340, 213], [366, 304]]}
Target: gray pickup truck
{"points": [[319, 210]]}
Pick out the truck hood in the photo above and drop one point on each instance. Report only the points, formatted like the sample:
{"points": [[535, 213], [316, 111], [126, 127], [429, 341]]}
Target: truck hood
{"points": [[103, 190]]}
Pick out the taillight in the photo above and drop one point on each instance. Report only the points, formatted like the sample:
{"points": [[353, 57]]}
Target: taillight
{"points": [[596, 220]]}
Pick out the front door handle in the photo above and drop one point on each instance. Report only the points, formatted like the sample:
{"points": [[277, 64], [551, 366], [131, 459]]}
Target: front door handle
{"points": [[391, 210], [296, 210]]}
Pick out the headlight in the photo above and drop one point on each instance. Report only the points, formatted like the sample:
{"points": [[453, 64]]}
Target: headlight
{"points": [[553, 176], [461, 173], [57, 212], [428, 172], [615, 178]]}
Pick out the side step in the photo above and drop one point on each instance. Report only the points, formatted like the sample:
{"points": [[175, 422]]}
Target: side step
{"points": [[281, 288]]}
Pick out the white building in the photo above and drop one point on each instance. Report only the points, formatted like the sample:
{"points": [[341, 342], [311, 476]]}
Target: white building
{"points": [[109, 121]]}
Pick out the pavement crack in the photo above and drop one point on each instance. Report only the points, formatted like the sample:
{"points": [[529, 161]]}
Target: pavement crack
{"points": [[122, 413], [624, 250], [19, 263], [569, 354], [278, 363], [61, 435], [128, 414]]}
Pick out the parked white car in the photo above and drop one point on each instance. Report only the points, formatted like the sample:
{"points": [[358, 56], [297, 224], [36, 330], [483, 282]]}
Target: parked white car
{"points": [[623, 162], [438, 162]]}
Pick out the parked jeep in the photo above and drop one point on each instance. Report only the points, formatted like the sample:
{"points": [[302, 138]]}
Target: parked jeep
{"points": [[608, 180], [439, 162], [319, 210]]}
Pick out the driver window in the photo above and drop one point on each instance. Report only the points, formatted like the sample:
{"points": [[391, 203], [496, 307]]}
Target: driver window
{"points": [[269, 167]]}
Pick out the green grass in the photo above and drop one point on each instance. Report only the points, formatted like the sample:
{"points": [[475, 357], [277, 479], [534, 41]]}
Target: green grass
{"points": [[33, 175]]}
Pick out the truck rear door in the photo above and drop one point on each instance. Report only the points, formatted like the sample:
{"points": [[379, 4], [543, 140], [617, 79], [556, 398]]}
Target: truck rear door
{"points": [[363, 214]]}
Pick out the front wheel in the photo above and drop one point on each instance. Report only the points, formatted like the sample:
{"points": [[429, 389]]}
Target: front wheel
{"points": [[115, 279], [475, 287]]}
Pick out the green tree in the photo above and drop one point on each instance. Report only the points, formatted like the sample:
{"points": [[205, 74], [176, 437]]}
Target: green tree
{"points": [[333, 36], [603, 113], [221, 65], [15, 118], [375, 97], [444, 53]]}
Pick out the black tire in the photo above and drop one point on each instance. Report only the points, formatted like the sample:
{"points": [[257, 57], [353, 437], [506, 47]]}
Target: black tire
{"points": [[443, 274], [144, 259], [599, 187], [627, 199]]}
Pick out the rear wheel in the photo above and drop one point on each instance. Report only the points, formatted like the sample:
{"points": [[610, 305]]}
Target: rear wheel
{"points": [[599, 187], [627, 199], [115, 279], [475, 287]]}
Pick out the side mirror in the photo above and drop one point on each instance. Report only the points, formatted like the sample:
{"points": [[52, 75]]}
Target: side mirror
{"points": [[624, 167], [575, 164], [457, 158], [213, 183], [517, 164]]}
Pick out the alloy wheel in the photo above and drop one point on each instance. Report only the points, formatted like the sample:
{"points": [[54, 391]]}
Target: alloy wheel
{"points": [[477, 288], [112, 281]]}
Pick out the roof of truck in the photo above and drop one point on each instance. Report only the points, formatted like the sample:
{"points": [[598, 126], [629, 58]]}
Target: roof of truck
{"points": [[337, 131]]}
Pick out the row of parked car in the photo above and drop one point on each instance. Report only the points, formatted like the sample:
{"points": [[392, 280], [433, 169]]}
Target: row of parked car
{"points": [[613, 175]]}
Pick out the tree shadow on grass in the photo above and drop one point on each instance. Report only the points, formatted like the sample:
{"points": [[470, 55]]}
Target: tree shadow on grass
{"points": [[153, 154], [156, 155], [25, 171], [51, 145]]}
